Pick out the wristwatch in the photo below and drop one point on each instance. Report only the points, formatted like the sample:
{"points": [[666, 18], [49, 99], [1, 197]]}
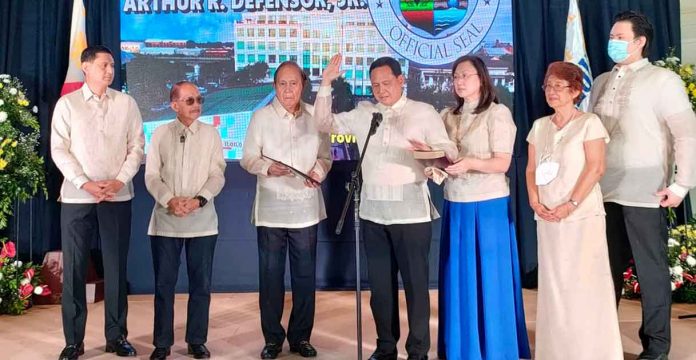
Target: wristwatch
{"points": [[574, 203], [201, 200]]}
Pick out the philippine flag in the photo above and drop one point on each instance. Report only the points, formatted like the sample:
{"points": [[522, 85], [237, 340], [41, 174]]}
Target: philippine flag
{"points": [[78, 42], [575, 51]]}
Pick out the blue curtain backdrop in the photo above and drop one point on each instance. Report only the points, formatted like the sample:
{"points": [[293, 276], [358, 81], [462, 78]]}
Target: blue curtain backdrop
{"points": [[34, 37]]}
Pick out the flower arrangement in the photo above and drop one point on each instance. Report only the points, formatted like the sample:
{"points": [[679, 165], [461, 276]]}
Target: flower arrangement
{"points": [[18, 281], [681, 252], [21, 167], [631, 287], [21, 177]]}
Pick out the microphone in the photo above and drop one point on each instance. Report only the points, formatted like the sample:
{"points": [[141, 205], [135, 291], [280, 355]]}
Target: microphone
{"points": [[376, 120], [182, 138]]}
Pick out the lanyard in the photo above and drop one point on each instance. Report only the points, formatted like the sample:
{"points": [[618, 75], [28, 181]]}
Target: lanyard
{"points": [[552, 142]]}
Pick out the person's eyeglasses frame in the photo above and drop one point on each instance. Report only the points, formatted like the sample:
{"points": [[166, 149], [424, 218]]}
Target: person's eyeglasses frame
{"points": [[190, 100], [557, 87]]}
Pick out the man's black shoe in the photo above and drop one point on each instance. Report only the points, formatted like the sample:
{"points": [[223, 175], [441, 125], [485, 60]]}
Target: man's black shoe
{"points": [[646, 356], [160, 353], [304, 348], [72, 352], [381, 355], [121, 347], [271, 351], [199, 351]]}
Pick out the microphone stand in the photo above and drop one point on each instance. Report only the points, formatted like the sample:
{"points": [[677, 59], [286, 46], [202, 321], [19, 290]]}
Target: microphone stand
{"points": [[353, 188]]}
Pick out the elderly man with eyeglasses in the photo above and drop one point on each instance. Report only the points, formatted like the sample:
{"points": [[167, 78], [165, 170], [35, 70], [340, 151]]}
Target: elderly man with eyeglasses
{"points": [[184, 171]]}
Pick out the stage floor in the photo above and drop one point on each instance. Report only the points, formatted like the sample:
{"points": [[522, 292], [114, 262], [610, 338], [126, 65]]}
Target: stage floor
{"points": [[235, 331]]}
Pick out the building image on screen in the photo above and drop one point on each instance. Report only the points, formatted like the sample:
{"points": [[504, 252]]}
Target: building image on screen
{"points": [[231, 53]]}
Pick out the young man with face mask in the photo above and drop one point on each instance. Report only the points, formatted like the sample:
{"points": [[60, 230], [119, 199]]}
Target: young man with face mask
{"points": [[287, 208], [652, 128]]}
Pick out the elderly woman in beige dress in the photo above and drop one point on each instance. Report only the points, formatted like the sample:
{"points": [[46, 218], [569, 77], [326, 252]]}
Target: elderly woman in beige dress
{"points": [[576, 309]]}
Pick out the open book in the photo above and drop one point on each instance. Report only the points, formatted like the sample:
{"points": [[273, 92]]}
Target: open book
{"points": [[428, 154]]}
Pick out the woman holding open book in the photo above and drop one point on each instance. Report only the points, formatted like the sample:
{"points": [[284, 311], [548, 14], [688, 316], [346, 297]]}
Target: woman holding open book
{"points": [[481, 312]]}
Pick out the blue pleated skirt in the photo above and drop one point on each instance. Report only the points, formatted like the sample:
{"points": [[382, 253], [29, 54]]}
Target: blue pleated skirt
{"points": [[481, 315]]}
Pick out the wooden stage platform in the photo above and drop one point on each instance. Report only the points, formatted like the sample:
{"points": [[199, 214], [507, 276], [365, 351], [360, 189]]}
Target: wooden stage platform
{"points": [[235, 331]]}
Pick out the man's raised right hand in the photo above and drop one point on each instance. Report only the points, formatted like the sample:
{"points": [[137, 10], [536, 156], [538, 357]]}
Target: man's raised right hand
{"points": [[332, 70]]}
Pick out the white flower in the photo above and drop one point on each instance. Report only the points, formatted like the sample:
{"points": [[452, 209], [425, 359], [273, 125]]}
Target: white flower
{"points": [[35, 109], [671, 242], [38, 290], [13, 91], [17, 263], [660, 63], [2, 102], [4, 76], [3, 116], [677, 270], [24, 281], [674, 287], [0, 300], [691, 260], [673, 60], [6, 81], [0, 276]]}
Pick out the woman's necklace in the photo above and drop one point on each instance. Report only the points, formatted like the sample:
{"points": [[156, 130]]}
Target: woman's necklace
{"points": [[572, 116]]}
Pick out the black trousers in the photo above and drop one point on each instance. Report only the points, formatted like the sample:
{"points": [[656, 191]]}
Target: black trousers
{"points": [[79, 225], [391, 249], [166, 256], [641, 234], [274, 243]]}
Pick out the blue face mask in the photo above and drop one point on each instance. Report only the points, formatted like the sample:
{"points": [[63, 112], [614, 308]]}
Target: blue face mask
{"points": [[618, 50]]}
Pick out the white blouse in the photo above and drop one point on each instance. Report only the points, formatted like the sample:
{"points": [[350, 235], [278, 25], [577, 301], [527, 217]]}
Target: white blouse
{"points": [[479, 136]]}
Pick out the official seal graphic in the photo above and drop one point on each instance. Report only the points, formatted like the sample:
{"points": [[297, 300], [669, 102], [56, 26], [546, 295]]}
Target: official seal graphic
{"points": [[433, 32], [433, 16]]}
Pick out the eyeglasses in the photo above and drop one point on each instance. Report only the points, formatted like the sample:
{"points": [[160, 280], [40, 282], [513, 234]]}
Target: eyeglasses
{"points": [[555, 87], [461, 76], [190, 100]]}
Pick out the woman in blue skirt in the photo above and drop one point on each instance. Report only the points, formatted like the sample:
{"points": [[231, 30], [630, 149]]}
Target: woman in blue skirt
{"points": [[480, 298]]}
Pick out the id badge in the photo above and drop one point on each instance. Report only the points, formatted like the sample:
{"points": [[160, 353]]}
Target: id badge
{"points": [[546, 172]]}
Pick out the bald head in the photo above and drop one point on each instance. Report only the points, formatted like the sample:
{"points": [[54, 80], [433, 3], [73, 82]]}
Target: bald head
{"points": [[174, 92], [286, 66]]}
